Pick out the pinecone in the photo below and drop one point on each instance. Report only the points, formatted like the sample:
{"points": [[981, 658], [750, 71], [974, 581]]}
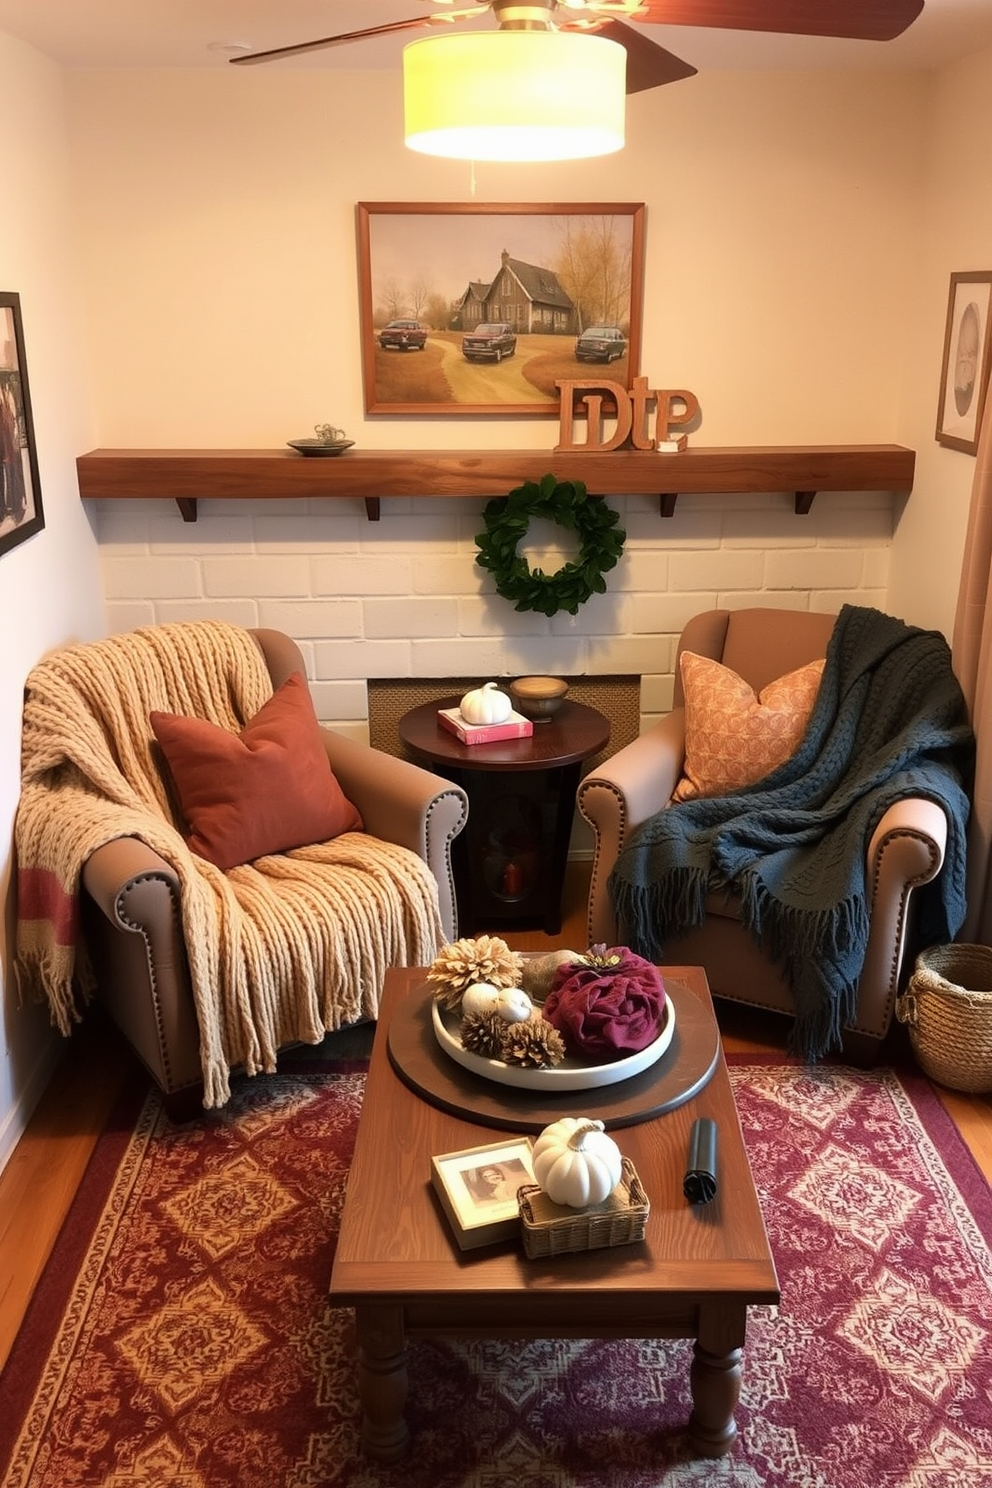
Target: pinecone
{"points": [[534, 1043], [486, 959], [482, 1033]]}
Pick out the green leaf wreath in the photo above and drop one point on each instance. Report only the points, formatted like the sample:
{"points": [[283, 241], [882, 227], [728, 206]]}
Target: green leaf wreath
{"points": [[507, 519]]}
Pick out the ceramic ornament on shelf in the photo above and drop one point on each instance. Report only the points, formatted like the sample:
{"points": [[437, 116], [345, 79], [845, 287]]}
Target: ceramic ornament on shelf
{"points": [[575, 1163], [485, 704]]}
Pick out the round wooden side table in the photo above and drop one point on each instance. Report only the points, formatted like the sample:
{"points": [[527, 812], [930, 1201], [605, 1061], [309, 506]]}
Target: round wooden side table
{"points": [[509, 863]]}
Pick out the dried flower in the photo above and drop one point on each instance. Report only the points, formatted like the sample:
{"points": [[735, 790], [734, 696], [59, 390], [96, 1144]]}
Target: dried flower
{"points": [[485, 959], [601, 955]]}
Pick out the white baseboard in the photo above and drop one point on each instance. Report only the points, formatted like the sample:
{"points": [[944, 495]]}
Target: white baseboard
{"points": [[15, 1121]]}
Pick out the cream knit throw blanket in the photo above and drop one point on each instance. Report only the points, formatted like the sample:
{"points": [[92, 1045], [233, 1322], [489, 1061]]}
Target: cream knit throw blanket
{"points": [[280, 950]]}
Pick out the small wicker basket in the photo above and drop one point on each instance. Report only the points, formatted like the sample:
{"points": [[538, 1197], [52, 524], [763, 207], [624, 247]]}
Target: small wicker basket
{"points": [[551, 1229], [947, 1007]]}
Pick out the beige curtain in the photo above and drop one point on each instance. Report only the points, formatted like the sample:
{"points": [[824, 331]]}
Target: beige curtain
{"points": [[972, 649]]}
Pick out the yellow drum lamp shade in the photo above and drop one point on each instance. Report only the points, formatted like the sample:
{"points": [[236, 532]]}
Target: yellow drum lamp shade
{"points": [[515, 95]]}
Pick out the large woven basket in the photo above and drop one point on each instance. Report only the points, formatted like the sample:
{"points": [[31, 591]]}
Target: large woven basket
{"points": [[947, 1007]]}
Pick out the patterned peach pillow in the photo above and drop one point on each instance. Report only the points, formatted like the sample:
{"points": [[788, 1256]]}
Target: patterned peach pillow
{"points": [[732, 737]]}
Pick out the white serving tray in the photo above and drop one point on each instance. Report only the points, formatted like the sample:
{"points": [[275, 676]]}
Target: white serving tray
{"points": [[570, 1075]]}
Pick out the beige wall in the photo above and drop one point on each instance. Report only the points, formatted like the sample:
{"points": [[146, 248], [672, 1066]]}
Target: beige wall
{"points": [[954, 228], [218, 231], [49, 585]]}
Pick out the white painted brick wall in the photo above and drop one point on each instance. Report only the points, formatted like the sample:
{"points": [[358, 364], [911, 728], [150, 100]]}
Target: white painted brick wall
{"points": [[403, 597]]}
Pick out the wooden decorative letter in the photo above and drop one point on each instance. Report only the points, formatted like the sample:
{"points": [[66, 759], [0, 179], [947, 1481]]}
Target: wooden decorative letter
{"points": [[592, 400], [667, 418], [675, 409]]}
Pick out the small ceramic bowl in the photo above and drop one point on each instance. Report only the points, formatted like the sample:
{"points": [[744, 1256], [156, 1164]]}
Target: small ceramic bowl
{"points": [[537, 697]]}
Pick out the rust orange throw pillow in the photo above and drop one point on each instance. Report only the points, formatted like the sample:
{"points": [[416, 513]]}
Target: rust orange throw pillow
{"points": [[734, 738], [265, 790]]}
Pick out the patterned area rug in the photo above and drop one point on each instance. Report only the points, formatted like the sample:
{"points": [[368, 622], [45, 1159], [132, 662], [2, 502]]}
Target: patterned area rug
{"points": [[181, 1338]]}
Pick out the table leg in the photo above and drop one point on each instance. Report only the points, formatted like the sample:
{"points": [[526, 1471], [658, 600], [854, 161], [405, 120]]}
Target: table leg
{"points": [[715, 1380], [382, 1381]]}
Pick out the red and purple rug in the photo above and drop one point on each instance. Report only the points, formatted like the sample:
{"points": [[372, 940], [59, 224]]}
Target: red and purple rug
{"points": [[181, 1339]]}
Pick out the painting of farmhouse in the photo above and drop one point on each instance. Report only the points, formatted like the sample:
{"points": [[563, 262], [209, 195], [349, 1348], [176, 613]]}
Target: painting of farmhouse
{"points": [[482, 308]]}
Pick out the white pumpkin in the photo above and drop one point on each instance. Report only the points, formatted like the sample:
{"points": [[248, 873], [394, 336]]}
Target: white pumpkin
{"points": [[576, 1163], [514, 1005], [479, 999], [485, 704]]}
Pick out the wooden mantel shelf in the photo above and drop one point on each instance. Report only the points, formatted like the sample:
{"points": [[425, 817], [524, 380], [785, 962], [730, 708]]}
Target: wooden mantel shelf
{"points": [[186, 475]]}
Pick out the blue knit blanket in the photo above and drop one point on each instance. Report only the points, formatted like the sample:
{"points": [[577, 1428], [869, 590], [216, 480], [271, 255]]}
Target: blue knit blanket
{"points": [[889, 721]]}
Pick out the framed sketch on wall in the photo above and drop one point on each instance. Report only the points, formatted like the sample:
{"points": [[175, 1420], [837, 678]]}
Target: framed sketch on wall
{"points": [[479, 308], [964, 376], [20, 490]]}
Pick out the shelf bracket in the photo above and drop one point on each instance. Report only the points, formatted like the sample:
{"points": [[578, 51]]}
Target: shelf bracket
{"points": [[187, 507], [666, 503], [372, 508], [804, 501]]}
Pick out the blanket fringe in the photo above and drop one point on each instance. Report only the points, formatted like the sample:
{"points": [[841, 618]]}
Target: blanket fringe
{"points": [[644, 913], [820, 953], [50, 982]]}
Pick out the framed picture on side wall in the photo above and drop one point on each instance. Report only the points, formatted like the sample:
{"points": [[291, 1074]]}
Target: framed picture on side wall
{"points": [[964, 377], [21, 514], [479, 308]]}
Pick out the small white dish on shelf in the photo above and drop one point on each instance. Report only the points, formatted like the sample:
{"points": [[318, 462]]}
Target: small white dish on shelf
{"points": [[570, 1075], [320, 446]]}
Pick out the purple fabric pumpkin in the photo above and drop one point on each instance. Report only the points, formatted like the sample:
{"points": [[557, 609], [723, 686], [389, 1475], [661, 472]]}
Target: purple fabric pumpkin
{"points": [[608, 1008]]}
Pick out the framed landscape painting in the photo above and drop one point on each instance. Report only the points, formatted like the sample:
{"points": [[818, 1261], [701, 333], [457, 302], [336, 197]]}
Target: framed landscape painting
{"points": [[21, 514], [964, 375], [479, 308]]}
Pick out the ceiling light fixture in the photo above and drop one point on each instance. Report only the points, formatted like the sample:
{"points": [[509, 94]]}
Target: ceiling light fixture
{"points": [[515, 95]]}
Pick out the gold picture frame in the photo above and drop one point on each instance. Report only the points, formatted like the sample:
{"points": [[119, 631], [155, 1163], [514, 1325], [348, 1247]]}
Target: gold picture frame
{"points": [[478, 1187], [964, 375], [432, 273]]}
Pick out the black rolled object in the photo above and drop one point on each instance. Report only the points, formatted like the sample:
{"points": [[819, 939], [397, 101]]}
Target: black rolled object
{"points": [[699, 1184]]}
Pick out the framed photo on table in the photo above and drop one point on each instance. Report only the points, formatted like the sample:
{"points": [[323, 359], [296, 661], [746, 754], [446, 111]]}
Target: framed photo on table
{"points": [[964, 376], [478, 308], [21, 513], [478, 1186]]}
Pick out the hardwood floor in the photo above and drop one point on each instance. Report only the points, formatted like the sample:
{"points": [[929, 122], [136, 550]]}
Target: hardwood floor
{"points": [[38, 1183]]}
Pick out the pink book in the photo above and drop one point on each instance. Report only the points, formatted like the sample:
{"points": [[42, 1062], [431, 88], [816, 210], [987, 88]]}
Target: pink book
{"points": [[514, 727]]}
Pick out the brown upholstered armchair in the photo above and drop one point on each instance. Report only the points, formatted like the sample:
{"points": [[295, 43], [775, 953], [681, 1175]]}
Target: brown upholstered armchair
{"points": [[132, 898], [905, 851]]}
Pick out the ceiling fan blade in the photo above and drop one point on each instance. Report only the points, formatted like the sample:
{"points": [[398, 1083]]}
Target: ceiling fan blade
{"points": [[861, 20], [249, 58], [648, 64]]}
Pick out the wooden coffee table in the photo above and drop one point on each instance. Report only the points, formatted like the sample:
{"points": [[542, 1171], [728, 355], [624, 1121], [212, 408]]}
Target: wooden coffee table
{"points": [[694, 1275]]}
